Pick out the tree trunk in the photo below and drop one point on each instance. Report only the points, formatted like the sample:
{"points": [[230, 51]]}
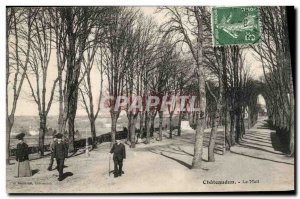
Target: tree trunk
{"points": [[72, 74], [64, 117], [160, 114], [232, 126], [9, 125], [71, 119], [179, 123], [249, 117], [152, 128], [207, 119], [238, 126], [213, 134], [193, 116], [132, 132], [141, 124], [61, 127], [130, 118], [114, 119], [170, 126], [71, 127], [242, 123], [42, 133], [147, 124], [93, 132], [198, 148], [212, 140], [227, 130]]}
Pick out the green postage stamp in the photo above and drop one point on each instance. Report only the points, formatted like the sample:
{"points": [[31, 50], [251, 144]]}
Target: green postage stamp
{"points": [[235, 25]]}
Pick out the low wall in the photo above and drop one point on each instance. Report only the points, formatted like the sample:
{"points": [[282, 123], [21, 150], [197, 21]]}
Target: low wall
{"points": [[82, 142]]}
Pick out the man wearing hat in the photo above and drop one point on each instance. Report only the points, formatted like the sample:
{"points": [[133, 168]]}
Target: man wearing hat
{"points": [[60, 152], [118, 149], [52, 144], [22, 157]]}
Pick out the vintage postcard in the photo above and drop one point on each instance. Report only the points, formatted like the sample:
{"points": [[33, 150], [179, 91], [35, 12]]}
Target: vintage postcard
{"points": [[122, 99]]}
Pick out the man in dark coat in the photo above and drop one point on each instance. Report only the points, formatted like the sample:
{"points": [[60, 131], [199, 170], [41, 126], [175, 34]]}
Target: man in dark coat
{"points": [[118, 149], [52, 144], [60, 152]]}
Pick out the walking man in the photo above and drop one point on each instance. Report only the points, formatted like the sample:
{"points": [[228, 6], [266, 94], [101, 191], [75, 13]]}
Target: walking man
{"points": [[118, 149], [60, 152], [52, 144]]}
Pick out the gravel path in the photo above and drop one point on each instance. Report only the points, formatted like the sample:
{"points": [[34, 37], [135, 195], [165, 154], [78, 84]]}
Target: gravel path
{"points": [[257, 164]]}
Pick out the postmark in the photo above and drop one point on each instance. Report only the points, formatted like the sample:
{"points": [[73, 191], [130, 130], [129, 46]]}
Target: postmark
{"points": [[235, 25]]}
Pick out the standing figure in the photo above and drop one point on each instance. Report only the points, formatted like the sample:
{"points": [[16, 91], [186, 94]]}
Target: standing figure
{"points": [[22, 157], [118, 149], [60, 152], [52, 144]]}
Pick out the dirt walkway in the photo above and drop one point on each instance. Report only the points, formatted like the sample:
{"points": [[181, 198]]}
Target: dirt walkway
{"points": [[255, 164]]}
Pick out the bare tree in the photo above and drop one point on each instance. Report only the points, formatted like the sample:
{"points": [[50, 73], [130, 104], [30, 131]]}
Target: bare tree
{"points": [[120, 35], [220, 59], [60, 44], [188, 34], [39, 65], [183, 78], [79, 23], [161, 80], [274, 53], [18, 34], [143, 57], [148, 66], [93, 53]]}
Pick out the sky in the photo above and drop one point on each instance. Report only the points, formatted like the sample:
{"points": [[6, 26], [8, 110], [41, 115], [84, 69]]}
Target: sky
{"points": [[27, 107]]}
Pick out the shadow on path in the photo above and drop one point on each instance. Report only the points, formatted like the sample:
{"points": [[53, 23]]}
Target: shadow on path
{"points": [[177, 160], [34, 171], [256, 157], [256, 140], [258, 148], [163, 153], [181, 150], [258, 144], [262, 142], [67, 174], [268, 138]]}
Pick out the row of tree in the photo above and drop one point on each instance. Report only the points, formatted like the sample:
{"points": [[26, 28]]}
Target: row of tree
{"points": [[134, 56], [274, 52]]}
